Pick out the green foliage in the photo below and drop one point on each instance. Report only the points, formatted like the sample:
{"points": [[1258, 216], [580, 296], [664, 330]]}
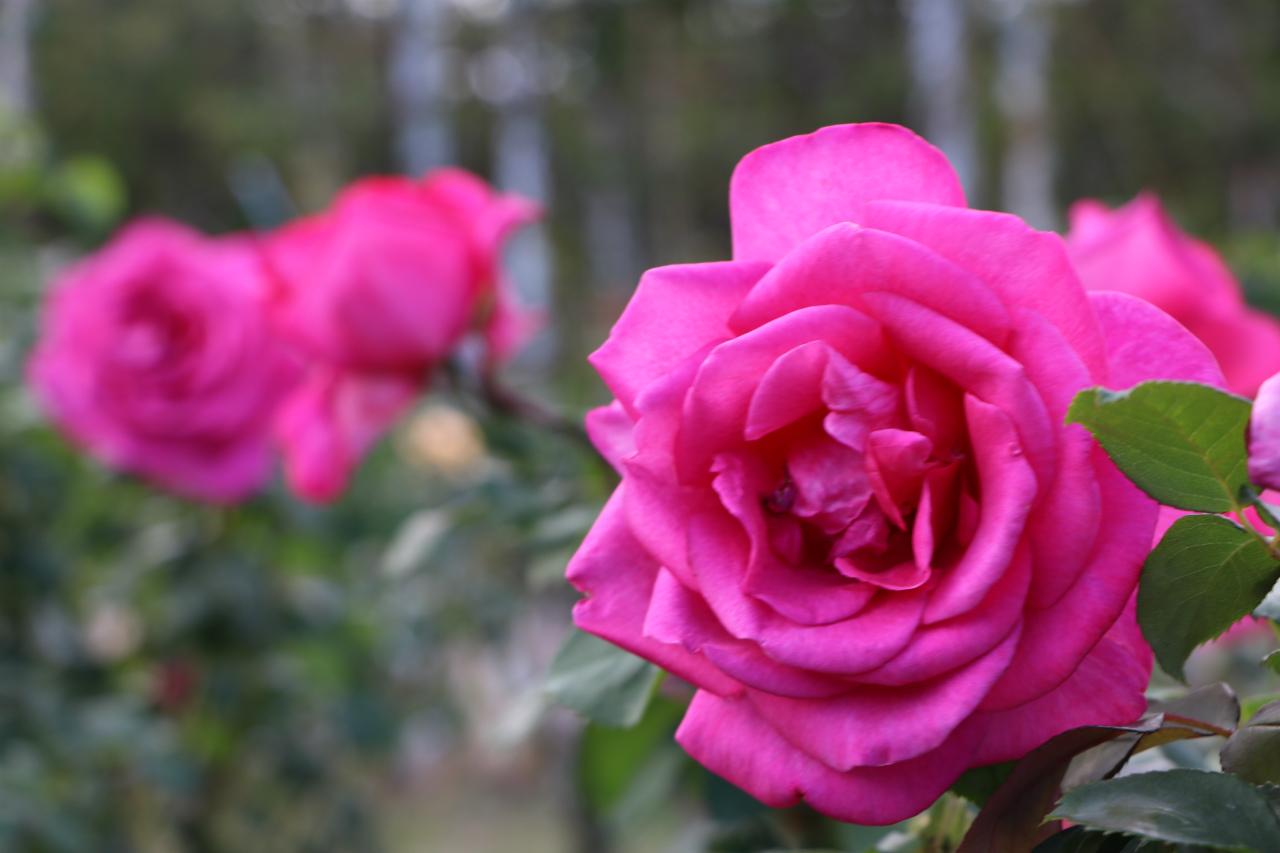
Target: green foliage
{"points": [[601, 681], [1012, 818], [1180, 442], [626, 772], [1179, 806], [979, 783], [1080, 840], [1206, 573], [1253, 752]]}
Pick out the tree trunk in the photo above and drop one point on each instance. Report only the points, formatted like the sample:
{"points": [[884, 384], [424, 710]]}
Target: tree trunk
{"points": [[1022, 92], [522, 165], [418, 71], [16, 99], [941, 88]]}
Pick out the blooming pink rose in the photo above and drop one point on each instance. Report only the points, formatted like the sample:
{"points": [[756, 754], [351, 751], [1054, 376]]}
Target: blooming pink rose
{"points": [[156, 356], [850, 511], [376, 291], [1138, 249]]}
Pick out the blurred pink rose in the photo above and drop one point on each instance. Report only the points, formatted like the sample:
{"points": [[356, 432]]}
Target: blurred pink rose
{"points": [[1138, 249], [850, 511], [376, 291], [155, 354]]}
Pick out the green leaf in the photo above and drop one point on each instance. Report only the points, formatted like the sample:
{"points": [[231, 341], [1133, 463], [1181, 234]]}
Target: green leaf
{"points": [[979, 783], [1268, 513], [1272, 661], [864, 839], [1253, 752], [1013, 816], [602, 682], [1080, 840], [613, 762], [1012, 819], [1180, 806], [1213, 706], [1270, 606], [1205, 574], [1204, 712], [1180, 442]]}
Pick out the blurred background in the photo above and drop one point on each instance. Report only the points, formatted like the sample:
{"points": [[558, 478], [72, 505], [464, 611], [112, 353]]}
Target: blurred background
{"points": [[369, 676]]}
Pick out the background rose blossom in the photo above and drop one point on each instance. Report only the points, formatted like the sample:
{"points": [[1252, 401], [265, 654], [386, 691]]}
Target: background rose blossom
{"points": [[850, 512], [1138, 249], [376, 291], [156, 356]]}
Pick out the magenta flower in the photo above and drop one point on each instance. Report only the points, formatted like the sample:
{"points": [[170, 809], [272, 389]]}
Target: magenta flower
{"points": [[1138, 249], [850, 511], [155, 355], [376, 292]]}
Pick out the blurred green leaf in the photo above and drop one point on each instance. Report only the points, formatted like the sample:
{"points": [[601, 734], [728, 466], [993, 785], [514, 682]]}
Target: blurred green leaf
{"points": [[1180, 442], [604, 683], [727, 803], [1272, 661], [88, 192], [611, 759], [978, 784], [1077, 839], [1253, 752], [1206, 573], [1214, 810]]}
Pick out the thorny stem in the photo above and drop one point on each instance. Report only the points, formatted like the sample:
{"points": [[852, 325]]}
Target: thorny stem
{"points": [[1272, 543], [530, 410], [503, 400]]}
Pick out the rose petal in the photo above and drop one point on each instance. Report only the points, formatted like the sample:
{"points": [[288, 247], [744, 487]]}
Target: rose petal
{"points": [[783, 193], [1106, 689], [1008, 490], [677, 615], [331, 420], [618, 578], [790, 389], [718, 552], [728, 737], [612, 431], [943, 646], [675, 312], [874, 726], [1026, 268], [841, 263], [976, 366], [1064, 522], [1057, 638], [716, 408], [1144, 343]]}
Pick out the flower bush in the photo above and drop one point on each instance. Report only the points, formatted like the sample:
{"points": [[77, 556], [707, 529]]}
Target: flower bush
{"points": [[911, 494]]}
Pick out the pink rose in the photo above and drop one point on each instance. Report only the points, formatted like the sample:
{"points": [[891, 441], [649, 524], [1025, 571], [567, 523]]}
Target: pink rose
{"points": [[1138, 249], [376, 291], [156, 356], [1264, 436], [850, 511]]}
